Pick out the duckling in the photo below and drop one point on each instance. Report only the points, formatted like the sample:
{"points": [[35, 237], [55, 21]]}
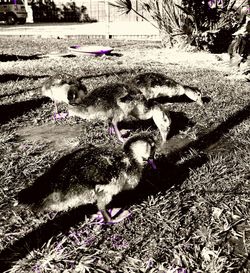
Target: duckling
{"points": [[155, 85], [91, 174], [116, 102], [63, 88]]}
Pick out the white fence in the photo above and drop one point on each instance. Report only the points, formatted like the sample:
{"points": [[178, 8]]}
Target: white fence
{"points": [[102, 11]]}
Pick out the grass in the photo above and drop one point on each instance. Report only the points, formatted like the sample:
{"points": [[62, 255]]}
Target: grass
{"points": [[192, 215]]}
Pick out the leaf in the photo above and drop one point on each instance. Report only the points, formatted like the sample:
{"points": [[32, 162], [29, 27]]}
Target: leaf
{"points": [[184, 9], [125, 5], [147, 7]]}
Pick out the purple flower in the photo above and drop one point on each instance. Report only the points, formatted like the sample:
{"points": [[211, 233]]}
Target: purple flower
{"points": [[89, 240], [37, 268], [181, 270], [150, 263], [215, 3], [119, 242], [82, 237], [59, 247], [73, 235], [58, 116]]}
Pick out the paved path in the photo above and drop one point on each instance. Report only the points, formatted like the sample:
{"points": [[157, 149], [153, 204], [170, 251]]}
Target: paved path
{"points": [[139, 29]]}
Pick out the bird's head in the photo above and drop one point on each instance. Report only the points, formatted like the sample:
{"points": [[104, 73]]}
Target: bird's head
{"points": [[195, 95], [76, 94], [140, 149]]}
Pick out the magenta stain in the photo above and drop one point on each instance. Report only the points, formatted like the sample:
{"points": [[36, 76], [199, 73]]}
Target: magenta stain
{"points": [[119, 242], [58, 116], [152, 163]]}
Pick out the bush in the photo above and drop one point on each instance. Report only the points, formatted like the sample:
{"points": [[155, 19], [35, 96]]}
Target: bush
{"points": [[206, 24], [239, 49]]}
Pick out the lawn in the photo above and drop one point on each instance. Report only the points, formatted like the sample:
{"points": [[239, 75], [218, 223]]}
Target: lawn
{"points": [[191, 214]]}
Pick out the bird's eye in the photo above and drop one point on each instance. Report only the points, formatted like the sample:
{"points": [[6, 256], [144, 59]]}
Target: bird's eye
{"points": [[144, 159], [71, 95]]}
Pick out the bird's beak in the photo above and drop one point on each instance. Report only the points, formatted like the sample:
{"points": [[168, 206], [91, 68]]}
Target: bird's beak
{"points": [[200, 102]]}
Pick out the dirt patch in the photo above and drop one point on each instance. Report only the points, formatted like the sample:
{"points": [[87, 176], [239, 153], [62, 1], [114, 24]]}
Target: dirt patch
{"points": [[59, 138]]}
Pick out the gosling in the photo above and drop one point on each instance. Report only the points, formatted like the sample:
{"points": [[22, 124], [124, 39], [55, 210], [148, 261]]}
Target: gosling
{"points": [[154, 85], [63, 88], [91, 174], [116, 102]]}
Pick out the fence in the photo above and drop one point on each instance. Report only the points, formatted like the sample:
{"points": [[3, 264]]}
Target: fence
{"points": [[99, 10], [96, 9]]}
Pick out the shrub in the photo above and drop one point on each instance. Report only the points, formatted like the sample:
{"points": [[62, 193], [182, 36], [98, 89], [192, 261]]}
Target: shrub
{"points": [[206, 24]]}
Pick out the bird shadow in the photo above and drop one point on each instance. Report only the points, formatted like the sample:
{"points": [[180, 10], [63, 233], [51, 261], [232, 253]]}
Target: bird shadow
{"points": [[16, 77], [179, 119], [10, 111], [113, 73], [10, 58], [167, 174], [43, 233], [177, 99], [19, 92], [114, 54], [206, 99]]}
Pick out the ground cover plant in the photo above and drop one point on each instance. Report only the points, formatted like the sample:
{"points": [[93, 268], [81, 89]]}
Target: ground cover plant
{"points": [[191, 215]]}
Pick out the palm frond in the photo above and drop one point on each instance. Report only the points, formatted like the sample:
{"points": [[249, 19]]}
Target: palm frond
{"points": [[147, 7], [123, 5], [183, 9]]}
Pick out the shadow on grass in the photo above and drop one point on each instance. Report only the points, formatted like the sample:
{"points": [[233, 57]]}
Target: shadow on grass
{"points": [[180, 120], [16, 77], [167, 174], [114, 54], [9, 58], [177, 99], [43, 233], [10, 111], [19, 92], [208, 139], [113, 73]]}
